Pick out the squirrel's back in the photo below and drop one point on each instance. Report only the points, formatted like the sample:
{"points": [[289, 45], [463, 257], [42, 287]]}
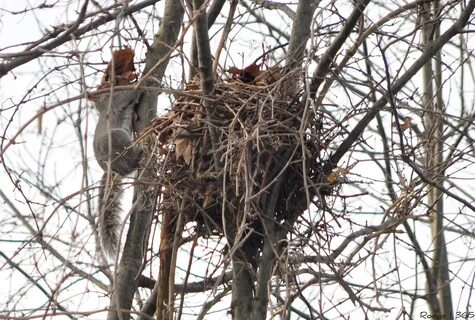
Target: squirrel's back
{"points": [[118, 156]]}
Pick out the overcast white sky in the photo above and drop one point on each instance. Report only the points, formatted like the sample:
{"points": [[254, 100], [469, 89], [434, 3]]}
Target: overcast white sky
{"points": [[66, 164]]}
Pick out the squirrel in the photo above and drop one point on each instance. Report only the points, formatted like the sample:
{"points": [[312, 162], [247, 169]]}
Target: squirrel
{"points": [[118, 156], [113, 144]]}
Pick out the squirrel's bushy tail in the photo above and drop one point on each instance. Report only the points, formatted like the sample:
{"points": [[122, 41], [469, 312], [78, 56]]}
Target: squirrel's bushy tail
{"points": [[109, 220]]}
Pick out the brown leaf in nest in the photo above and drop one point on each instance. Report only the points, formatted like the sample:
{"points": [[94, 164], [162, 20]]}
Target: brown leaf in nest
{"points": [[184, 149], [248, 74], [184, 146], [194, 85], [123, 72], [190, 88], [269, 76]]}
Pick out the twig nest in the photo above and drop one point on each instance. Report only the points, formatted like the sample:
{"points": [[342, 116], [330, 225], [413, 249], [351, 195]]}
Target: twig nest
{"points": [[259, 142]]}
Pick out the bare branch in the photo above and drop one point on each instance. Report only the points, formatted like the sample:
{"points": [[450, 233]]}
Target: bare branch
{"points": [[205, 59], [427, 54], [278, 6], [326, 60], [72, 31], [300, 32]]}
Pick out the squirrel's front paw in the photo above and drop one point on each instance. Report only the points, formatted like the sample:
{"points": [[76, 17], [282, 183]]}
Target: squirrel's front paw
{"points": [[129, 161]]}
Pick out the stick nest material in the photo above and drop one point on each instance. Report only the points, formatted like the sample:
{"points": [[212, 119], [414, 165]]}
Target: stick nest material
{"points": [[266, 158]]}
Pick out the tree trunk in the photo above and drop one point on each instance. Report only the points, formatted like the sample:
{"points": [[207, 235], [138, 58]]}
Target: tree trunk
{"points": [[125, 284], [441, 303]]}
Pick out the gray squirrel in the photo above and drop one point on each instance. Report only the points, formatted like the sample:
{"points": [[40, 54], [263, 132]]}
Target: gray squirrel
{"points": [[117, 155]]}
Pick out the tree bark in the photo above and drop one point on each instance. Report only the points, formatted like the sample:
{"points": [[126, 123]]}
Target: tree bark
{"points": [[439, 288], [125, 284]]}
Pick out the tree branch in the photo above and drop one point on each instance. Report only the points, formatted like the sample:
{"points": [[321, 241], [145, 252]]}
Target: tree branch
{"points": [[426, 55], [36, 284], [212, 14], [145, 193], [300, 32], [205, 59], [47, 245], [271, 5], [72, 31], [326, 60]]}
